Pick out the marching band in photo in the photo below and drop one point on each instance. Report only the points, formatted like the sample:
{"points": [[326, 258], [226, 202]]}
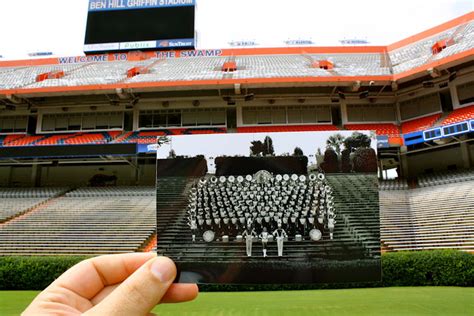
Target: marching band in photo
{"points": [[269, 208]]}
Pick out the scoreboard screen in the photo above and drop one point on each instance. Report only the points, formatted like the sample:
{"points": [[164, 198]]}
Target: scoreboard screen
{"points": [[124, 25]]}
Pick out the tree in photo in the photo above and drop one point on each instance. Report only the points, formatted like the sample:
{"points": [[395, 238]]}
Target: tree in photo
{"points": [[357, 140], [298, 152], [268, 147], [330, 163], [365, 160], [335, 141], [256, 149], [346, 164], [172, 154]]}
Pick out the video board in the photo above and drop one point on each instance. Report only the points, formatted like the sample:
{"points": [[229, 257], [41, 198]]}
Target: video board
{"points": [[125, 25]]}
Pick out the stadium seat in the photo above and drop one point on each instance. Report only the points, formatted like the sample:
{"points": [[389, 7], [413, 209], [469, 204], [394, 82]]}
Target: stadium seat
{"points": [[86, 221], [419, 53], [459, 115], [5, 139], [458, 39], [61, 139], [419, 124], [182, 69], [16, 201], [441, 178], [380, 129], [393, 185], [434, 217], [23, 141], [149, 137]]}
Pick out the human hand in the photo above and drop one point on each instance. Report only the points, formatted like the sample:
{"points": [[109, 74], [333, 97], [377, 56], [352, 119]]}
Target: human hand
{"points": [[125, 284]]}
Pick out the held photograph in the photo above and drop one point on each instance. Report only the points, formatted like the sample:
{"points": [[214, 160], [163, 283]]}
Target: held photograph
{"points": [[269, 208]]}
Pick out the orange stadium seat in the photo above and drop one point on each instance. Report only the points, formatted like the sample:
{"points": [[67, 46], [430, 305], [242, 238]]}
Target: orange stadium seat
{"points": [[24, 141], [419, 124], [149, 137], [380, 129], [59, 139], [459, 115], [5, 139]]}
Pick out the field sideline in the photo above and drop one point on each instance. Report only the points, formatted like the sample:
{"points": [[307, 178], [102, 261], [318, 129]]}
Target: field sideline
{"points": [[378, 301]]}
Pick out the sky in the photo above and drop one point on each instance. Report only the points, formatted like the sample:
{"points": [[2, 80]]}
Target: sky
{"points": [[59, 25], [218, 144]]}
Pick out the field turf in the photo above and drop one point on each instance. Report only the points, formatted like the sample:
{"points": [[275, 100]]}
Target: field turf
{"points": [[378, 301]]}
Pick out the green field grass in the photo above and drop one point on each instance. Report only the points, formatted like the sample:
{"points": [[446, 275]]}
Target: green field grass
{"points": [[377, 301]]}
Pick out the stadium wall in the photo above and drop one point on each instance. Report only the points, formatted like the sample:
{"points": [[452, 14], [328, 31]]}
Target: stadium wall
{"points": [[75, 175], [471, 150], [148, 173], [15, 176], [437, 160], [4, 176]]}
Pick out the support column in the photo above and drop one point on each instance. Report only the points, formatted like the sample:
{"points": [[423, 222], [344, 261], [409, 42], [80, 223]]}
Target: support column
{"points": [[380, 163], [135, 172], [344, 116], [240, 119], [35, 175], [136, 117], [10, 176], [454, 94], [465, 156], [398, 112], [403, 162]]}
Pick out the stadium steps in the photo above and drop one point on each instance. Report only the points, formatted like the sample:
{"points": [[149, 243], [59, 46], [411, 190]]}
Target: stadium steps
{"points": [[385, 61], [171, 198], [439, 121], [122, 137], [150, 244]]}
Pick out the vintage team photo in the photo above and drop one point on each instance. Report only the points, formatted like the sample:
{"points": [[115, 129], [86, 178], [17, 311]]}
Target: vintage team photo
{"points": [[269, 207]]}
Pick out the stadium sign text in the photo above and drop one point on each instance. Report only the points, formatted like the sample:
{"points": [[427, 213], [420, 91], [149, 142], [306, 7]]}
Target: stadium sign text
{"points": [[124, 56], [137, 45], [201, 53], [109, 5], [83, 59]]}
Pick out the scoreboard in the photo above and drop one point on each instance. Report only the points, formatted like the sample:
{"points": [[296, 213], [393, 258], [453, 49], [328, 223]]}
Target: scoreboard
{"points": [[124, 25]]}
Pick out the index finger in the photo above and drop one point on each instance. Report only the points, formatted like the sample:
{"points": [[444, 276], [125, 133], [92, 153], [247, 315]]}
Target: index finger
{"points": [[89, 277]]}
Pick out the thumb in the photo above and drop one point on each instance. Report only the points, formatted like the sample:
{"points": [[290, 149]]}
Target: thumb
{"points": [[141, 291]]}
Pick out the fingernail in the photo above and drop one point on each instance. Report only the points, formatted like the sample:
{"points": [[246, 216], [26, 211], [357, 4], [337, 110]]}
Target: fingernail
{"points": [[163, 269]]}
